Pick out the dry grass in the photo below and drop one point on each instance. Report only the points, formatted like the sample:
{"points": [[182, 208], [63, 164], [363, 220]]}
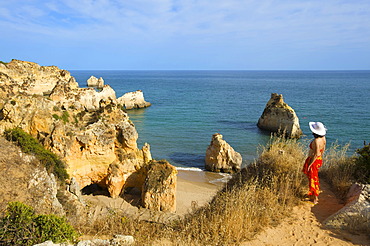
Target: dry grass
{"points": [[256, 197], [338, 169]]}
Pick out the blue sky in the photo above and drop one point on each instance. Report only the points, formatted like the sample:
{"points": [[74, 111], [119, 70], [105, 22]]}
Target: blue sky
{"points": [[187, 34]]}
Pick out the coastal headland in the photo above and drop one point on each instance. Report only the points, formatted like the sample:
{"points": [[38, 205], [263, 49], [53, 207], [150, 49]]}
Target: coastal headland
{"points": [[90, 131]]}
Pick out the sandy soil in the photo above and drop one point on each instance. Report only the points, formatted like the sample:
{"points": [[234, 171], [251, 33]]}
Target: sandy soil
{"points": [[305, 227]]}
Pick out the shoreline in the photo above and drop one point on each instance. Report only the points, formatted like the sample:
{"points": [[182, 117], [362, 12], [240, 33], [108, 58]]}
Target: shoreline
{"points": [[195, 188]]}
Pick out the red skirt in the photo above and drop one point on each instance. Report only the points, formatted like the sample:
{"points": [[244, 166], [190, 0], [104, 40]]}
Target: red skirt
{"points": [[313, 175]]}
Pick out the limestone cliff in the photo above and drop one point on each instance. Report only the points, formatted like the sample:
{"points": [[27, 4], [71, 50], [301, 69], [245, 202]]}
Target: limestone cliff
{"points": [[279, 117], [31, 78], [86, 128], [221, 157]]}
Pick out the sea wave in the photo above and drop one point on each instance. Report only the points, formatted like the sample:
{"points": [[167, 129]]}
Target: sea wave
{"points": [[195, 169], [226, 177]]}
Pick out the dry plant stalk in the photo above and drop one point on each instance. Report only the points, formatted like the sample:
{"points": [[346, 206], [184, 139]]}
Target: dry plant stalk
{"points": [[338, 169]]}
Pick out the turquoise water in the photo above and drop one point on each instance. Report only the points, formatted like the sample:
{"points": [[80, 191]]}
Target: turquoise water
{"points": [[188, 107]]}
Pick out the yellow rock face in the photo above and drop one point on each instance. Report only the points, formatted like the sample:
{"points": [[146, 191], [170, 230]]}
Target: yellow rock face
{"points": [[279, 117], [159, 189], [85, 128], [221, 157]]}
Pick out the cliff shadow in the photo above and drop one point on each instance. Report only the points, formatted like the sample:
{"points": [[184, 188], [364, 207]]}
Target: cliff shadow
{"points": [[95, 190], [132, 195]]}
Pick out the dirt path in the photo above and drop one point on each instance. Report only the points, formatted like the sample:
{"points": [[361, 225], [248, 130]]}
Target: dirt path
{"points": [[304, 226]]}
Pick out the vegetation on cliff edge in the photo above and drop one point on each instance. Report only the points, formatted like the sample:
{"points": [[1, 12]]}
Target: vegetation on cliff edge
{"points": [[21, 226], [30, 145]]}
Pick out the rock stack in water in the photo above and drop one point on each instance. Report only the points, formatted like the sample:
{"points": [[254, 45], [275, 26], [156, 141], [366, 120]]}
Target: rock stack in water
{"points": [[221, 157], [95, 82], [280, 118], [132, 100]]}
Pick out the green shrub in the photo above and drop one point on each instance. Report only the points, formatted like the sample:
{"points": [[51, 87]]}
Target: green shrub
{"points": [[363, 164], [55, 228], [21, 226], [30, 145], [55, 116], [65, 117]]}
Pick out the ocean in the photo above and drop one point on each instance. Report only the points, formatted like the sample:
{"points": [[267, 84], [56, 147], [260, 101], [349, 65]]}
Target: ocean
{"points": [[188, 107]]}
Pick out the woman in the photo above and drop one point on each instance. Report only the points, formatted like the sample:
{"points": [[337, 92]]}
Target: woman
{"points": [[314, 159]]}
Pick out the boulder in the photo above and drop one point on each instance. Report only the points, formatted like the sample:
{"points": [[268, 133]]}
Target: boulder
{"points": [[221, 157], [280, 118], [95, 82], [159, 188], [132, 100], [355, 215]]}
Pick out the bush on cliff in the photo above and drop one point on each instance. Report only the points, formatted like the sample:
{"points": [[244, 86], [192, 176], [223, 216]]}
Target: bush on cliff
{"points": [[30, 145], [21, 226], [363, 164]]}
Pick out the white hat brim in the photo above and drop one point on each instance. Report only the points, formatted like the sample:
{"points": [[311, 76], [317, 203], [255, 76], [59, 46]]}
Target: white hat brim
{"points": [[318, 129]]}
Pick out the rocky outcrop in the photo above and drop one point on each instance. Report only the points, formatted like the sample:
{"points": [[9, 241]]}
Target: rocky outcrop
{"points": [[159, 188], [127, 173], [24, 179], [95, 82], [86, 128], [134, 99], [82, 98], [221, 157], [355, 215], [31, 78], [280, 118]]}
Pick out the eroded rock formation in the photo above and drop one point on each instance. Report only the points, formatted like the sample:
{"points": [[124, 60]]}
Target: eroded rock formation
{"points": [[95, 82], [279, 117], [134, 99], [31, 78], [159, 188], [355, 215], [86, 128], [221, 157]]}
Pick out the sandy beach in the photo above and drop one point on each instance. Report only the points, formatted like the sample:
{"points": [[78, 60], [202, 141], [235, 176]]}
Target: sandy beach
{"points": [[196, 188]]}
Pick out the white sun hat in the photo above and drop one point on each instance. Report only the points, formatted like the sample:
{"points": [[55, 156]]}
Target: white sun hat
{"points": [[318, 128]]}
